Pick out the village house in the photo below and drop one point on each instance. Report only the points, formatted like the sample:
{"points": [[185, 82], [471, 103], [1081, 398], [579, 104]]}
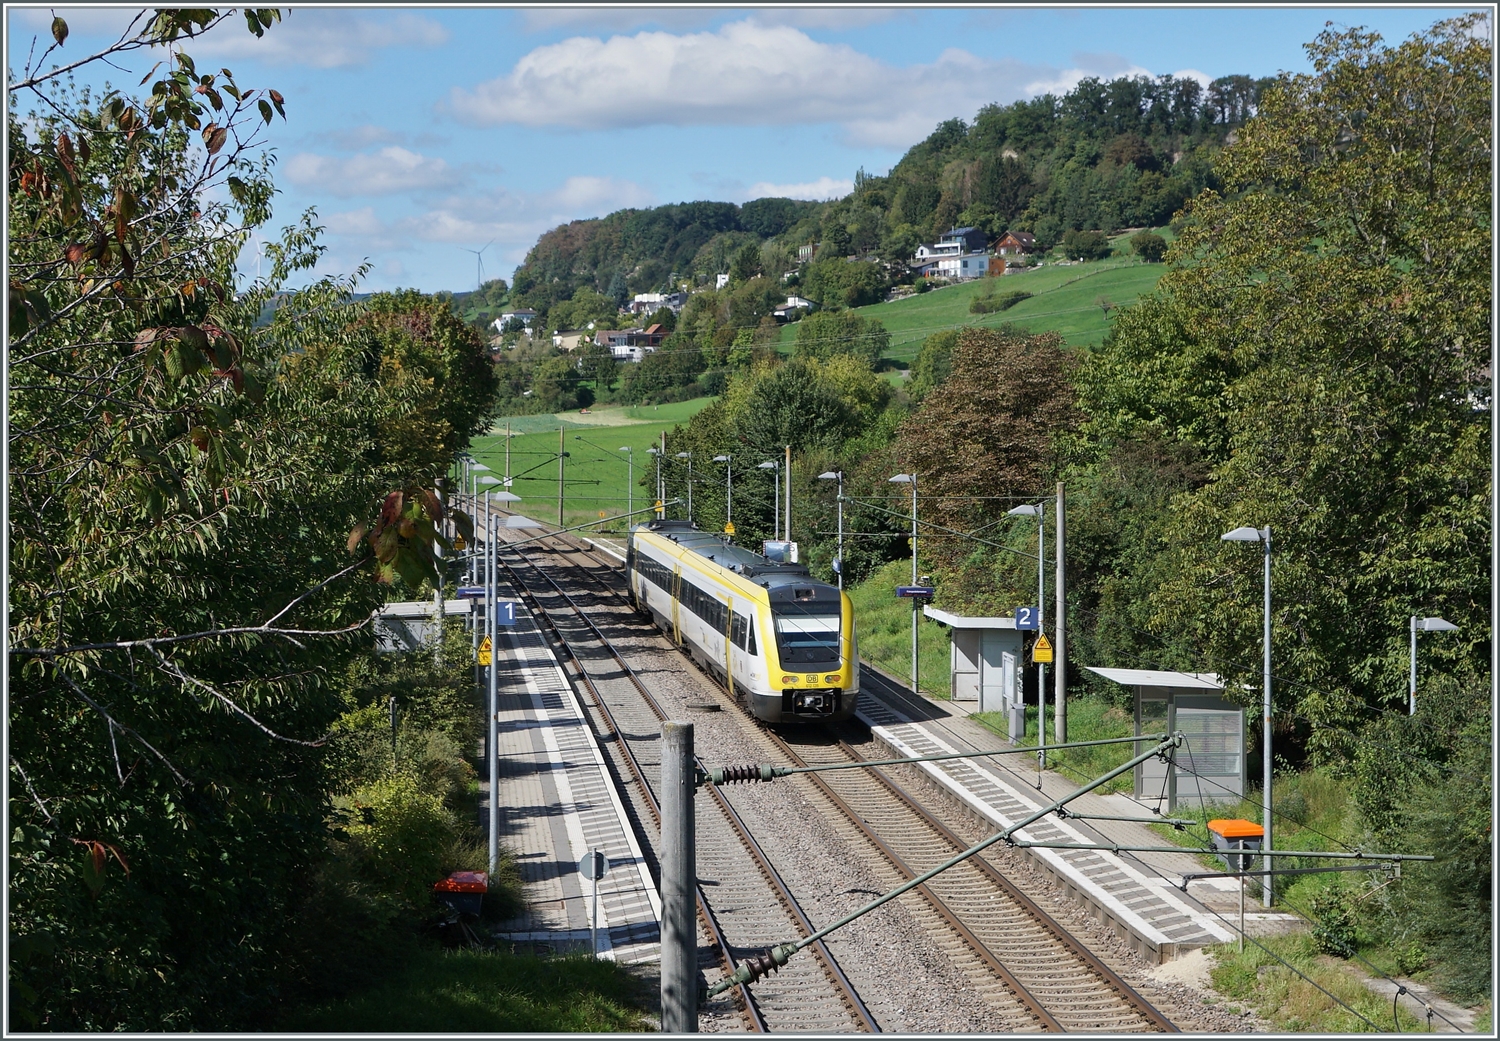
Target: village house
{"points": [[793, 303], [525, 314], [631, 344], [959, 254], [649, 303], [1016, 243]]}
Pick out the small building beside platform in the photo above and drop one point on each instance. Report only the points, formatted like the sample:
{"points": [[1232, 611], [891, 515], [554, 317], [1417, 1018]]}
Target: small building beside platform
{"points": [[408, 625], [1211, 765], [985, 661]]}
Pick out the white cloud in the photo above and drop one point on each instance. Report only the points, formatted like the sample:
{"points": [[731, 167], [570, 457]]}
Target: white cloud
{"points": [[322, 38], [744, 73], [512, 219], [358, 222], [817, 191], [391, 169], [1203, 78]]}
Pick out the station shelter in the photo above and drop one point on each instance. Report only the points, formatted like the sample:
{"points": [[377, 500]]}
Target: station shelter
{"points": [[408, 625], [1210, 766], [986, 664]]}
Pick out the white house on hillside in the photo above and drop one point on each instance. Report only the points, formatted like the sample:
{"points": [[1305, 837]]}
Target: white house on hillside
{"points": [[647, 303], [525, 314]]}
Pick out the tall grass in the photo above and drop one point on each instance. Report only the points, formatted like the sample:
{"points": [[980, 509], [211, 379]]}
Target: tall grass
{"points": [[1293, 1004], [473, 991]]}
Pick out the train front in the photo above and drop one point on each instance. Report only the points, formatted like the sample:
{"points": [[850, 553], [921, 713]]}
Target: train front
{"points": [[817, 652]]}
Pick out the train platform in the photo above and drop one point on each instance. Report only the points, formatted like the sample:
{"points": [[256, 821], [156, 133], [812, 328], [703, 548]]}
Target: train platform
{"points": [[557, 802], [1136, 895]]}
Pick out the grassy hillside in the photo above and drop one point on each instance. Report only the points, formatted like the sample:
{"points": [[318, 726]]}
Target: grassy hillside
{"points": [[597, 474], [883, 622], [1064, 299]]}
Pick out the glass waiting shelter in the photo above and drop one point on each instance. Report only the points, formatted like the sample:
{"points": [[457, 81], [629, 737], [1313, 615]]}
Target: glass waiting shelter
{"points": [[1211, 764]]}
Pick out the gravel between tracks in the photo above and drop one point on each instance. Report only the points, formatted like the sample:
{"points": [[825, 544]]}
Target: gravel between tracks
{"points": [[905, 979]]}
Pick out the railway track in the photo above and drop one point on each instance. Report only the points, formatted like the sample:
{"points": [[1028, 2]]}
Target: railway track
{"points": [[1026, 965], [749, 901], [1052, 975]]}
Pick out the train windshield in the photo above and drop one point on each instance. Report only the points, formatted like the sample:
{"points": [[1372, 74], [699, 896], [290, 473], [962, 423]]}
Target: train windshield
{"points": [[805, 637]]}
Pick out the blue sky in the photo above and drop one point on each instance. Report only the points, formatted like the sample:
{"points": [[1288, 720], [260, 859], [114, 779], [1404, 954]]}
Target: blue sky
{"points": [[421, 133]]}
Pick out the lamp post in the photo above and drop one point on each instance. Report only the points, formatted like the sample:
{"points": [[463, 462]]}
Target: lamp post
{"points": [[660, 510], [1039, 511], [728, 461], [630, 485], [775, 469], [911, 479], [1263, 536], [689, 457], [1429, 625], [838, 561]]}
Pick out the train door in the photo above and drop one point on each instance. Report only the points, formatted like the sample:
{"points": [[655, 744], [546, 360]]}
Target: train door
{"points": [[728, 635], [676, 605]]}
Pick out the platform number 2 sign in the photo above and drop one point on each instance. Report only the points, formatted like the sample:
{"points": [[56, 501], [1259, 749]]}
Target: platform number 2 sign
{"points": [[1026, 618]]}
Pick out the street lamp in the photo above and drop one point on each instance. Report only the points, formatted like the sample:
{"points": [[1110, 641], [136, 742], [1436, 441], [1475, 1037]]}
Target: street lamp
{"points": [[728, 462], [775, 468], [838, 561], [629, 486], [661, 511], [689, 457], [1428, 625], [1263, 535], [472, 467], [911, 479]]}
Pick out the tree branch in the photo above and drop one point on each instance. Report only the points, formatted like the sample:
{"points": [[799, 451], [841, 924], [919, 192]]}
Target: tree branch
{"points": [[230, 703]]}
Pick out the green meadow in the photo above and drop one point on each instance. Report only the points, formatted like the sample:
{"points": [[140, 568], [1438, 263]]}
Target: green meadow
{"points": [[596, 473], [1065, 299]]}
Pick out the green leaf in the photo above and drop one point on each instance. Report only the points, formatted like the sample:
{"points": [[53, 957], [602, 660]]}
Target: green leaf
{"points": [[59, 30], [265, 109]]}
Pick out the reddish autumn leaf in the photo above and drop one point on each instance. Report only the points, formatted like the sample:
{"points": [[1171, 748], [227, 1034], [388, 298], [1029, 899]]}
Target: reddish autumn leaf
{"points": [[390, 511], [432, 504]]}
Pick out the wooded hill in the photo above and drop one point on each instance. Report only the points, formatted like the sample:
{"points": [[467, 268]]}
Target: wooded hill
{"points": [[1126, 152]]}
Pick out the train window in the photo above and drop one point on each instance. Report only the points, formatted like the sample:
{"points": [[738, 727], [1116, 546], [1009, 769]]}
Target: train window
{"points": [[743, 633], [808, 638]]}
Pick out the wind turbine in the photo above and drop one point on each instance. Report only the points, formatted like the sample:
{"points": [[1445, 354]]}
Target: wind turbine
{"points": [[478, 262]]}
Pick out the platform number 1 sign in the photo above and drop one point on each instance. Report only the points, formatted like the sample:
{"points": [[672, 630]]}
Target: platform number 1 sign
{"points": [[1026, 618]]}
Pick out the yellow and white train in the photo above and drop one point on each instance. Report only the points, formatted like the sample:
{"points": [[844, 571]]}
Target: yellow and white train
{"points": [[781, 641]]}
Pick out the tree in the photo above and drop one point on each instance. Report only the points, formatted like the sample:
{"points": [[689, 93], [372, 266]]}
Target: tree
{"points": [[597, 363], [1149, 246], [988, 429], [1333, 306], [1085, 245], [194, 494], [824, 334]]}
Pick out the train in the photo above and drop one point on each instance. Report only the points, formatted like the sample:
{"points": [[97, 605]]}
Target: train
{"points": [[782, 642]]}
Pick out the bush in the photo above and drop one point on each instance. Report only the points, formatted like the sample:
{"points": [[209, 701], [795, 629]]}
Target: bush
{"points": [[406, 835], [1086, 245], [987, 304], [1150, 246], [1333, 923]]}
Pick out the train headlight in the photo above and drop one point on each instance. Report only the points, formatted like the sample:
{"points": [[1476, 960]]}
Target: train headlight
{"points": [[832, 679], [788, 680]]}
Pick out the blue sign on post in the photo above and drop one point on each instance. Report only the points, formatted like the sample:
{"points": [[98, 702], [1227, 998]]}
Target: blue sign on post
{"points": [[1027, 618], [915, 590], [505, 612], [470, 593]]}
